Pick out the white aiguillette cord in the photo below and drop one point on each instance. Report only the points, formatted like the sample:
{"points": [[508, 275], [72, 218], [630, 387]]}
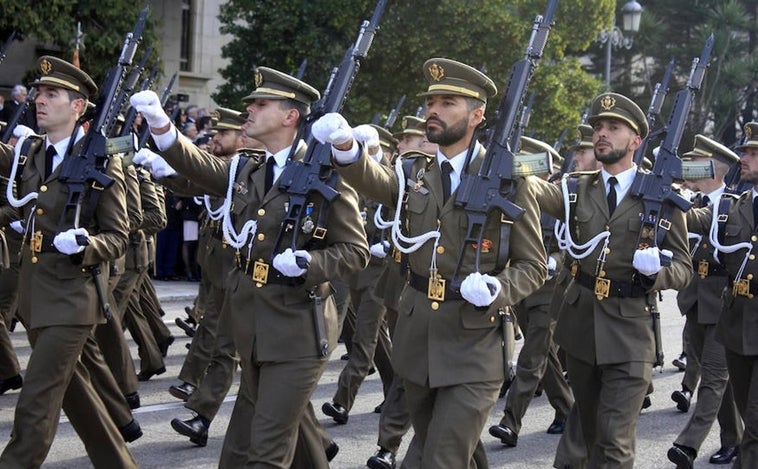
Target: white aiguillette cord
{"points": [[714, 235], [563, 234], [234, 239]]}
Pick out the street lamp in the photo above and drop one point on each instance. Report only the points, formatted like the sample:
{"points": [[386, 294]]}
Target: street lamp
{"points": [[614, 37]]}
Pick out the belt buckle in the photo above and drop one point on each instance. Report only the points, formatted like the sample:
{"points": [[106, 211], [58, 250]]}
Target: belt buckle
{"points": [[741, 287], [436, 289], [35, 243], [702, 268], [320, 232], [602, 287], [396, 254], [260, 272]]}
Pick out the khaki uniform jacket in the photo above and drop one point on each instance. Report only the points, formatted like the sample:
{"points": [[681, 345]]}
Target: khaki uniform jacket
{"points": [[53, 290], [452, 342], [738, 325], [612, 330], [275, 319]]}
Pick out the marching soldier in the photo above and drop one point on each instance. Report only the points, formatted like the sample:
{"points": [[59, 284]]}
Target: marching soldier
{"points": [[732, 223], [605, 326], [701, 302], [447, 343], [273, 301], [57, 293]]}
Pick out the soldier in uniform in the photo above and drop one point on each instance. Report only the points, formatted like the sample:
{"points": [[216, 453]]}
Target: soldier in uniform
{"points": [[732, 224], [448, 343], [701, 302], [605, 326], [538, 358], [57, 293], [275, 304], [370, 338]]}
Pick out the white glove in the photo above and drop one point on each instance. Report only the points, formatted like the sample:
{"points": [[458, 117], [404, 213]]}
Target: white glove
{"points": [[149, 104], [379, 250], [17, 226], [552, 266], [21, 131], [145, 157], [286, 262], [648, 261], [332, 128], [161, 169], [476, 289], [66, 242], [367, 135]]}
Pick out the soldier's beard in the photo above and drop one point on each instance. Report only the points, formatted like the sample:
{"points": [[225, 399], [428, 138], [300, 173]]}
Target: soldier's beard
{"points": [[448, 135], [611, 157]]}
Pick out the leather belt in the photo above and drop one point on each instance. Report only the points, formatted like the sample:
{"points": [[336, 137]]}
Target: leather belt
{"points": [[271, 275], [605, 287], [744, 287], [421, 283], [42, 241], [710, 269]]}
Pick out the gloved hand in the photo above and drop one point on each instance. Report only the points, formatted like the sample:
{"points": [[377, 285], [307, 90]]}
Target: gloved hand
{"points": [[149, 104], [145, 157], [287, 262], [21, 131], [17, 226], [648, 261], [480, 290], [67, 243], [332, 128], [369, 137], [161, 169], [380, 250], [552, 266]]}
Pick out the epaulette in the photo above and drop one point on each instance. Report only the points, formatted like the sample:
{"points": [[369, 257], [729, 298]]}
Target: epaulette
{"points": [[583, 173], [415, 154], [254, 153], [722, 212], [30, 146]]}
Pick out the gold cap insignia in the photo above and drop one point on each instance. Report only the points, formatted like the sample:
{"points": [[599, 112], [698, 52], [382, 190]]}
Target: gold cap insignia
{"points": [[404, 123], [258, 79], [436, 72], [45, 67], [748, 131], [216, 115], [608, 103]]}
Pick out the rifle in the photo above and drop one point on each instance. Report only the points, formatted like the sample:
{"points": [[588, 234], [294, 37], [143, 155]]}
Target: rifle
{"points": [[654, 188], [392, 117], [733, 180], [526, 113], [314, 173], [131, 113], [144, 133], [493, 187], [7, 45], [301, 69], [20, 110], [656, 103]]}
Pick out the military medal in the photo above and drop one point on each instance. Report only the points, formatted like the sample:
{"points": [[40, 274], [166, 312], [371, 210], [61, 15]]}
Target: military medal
{"points": [[260, 272], [436, 289], [702, 268], [418, 184], [741, 288], [35, 243], [308, 225], [240, 188]]}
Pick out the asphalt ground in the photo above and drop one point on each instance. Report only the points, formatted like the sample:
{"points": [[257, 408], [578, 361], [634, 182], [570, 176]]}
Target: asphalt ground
{"points": [[161, 447]]}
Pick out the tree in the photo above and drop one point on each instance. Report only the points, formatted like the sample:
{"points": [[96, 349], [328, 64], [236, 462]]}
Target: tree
{"points": [[53, 23], [482, 33]]}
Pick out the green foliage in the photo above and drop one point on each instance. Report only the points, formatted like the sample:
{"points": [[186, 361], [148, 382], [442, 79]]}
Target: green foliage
{"points": [[481, 33], [103, 22]]}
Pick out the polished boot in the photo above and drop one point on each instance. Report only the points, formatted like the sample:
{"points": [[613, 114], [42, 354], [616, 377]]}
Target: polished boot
{"points": [[682, 456], [682, 399], [725, 455], [185, 326], [557, 427], [383, 459], [131, 431], [146, 375], [507, 436], [182, 391], [133, 400], [195, 428], [338, 413], [14, 382]]}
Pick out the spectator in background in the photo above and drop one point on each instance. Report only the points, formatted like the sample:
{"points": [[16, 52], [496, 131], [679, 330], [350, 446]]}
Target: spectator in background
{"points": [[169, 240], [190, 130], [190, 226], [192, 113], [18, 97]]}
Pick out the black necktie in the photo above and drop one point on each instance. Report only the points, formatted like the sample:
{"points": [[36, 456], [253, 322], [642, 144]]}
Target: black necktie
{"points": [[270, 163], [755, 212], [49, 155], [612, 194], [447, 168]]}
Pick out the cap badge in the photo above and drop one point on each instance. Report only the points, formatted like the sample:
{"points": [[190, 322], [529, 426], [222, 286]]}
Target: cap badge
{"points": [[258, 79], [404, 123], [748, 131], [436, 72], [607, 103], [46, 67]]}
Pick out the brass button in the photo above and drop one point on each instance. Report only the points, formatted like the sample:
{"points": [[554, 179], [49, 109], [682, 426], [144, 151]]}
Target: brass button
{"points": [[440, 249], [34, 259], [751, 257], [607, 250], [750, 296], [435, 306], [705, 245], [84, 271], [754, 238], [261, 236], [749, 276], [647, 309], [261, 212], [259, 285], [492, 318], [43, 188], [40, 211], [602, 273]]}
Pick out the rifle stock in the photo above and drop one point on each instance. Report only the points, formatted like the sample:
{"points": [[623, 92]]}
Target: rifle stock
{"points": [[314, 173], [493, 187], [656, 103], [7, 45]]}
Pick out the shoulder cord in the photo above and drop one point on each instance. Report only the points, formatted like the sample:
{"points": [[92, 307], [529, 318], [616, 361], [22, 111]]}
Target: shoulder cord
{"points": [[719, 218], [698, 239], [24, 146], [213, 214], [236, 240], [563, 233]]}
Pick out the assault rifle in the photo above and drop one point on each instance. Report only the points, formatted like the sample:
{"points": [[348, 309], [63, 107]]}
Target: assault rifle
{"points": [[128, 87], [7, 45], [144, 133], [656, 103], [493, 187], [88, 166], [392, 117], [523, 122], [655, 190], [314, 173]]}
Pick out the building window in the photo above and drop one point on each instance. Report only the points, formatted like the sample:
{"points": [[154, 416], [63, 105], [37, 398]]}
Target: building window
{"points": [[185, 64]]}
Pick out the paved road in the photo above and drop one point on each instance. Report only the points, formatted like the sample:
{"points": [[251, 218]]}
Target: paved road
{"points": [[161, 447]]}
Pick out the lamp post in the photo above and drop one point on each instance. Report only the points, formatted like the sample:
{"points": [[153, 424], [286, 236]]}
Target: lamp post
{"points": [[614, 37]]}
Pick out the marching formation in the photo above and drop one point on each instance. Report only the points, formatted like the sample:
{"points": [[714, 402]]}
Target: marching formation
{"points": [[426, 250]]}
